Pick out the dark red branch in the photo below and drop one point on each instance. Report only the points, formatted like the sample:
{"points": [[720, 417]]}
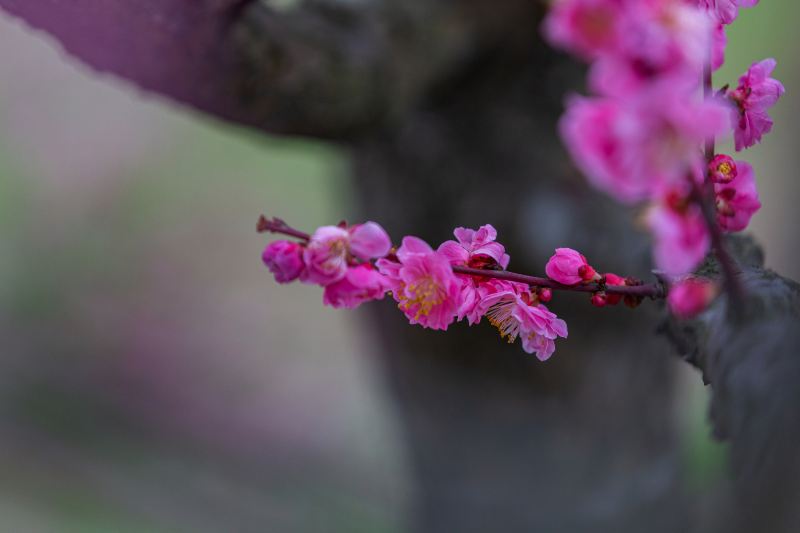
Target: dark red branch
{"points": [[654, 291], [704, 196]]}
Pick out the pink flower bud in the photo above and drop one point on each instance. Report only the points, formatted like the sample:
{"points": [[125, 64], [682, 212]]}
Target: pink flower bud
{"points": [[722, 169], [569, 267], [599, 299], [284, 259], [690, 297], [616, 281], [545, 295]]}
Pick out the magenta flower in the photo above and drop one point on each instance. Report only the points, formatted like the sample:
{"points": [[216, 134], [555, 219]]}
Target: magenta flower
{"points": [[722, 169], [636, 148], [569, 267], [362, 283], [725, 11], [423, 284], [588, 28], [325, 255], [737, 200], [660, 42], [475, 248], [284, 259], [369, 241], [514, 317], [332, 248], [756, 93], [681, 236], [690, 297]]}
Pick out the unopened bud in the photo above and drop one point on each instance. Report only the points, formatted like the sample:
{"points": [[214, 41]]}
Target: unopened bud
{"points": [[599, 299], [545, 295], [612, 280], [587, 273]]}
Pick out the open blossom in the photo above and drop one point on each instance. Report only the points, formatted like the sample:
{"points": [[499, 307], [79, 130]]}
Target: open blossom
{"points": [[756, 93], [635, 148], [284, 259], [690, 297], [587, 28], [360, 284], [722, 169], [325, 255], [512, 314], [725, 11], [475, 248], [661, 40], [328, 251], [423, 284], [569, 267], [680, 234], [737, 200]]}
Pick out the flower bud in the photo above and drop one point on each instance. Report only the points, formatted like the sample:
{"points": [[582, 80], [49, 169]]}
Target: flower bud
{"points": [[569, 267], [599, 299], [614, 281], [284, 259], [545, 295]]}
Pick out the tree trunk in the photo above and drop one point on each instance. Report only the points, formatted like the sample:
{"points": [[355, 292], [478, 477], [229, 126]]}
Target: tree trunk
{"points": [[500, 441]]}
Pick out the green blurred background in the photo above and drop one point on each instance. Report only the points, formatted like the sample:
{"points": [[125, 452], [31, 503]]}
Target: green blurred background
{"points": [[154, 378]]}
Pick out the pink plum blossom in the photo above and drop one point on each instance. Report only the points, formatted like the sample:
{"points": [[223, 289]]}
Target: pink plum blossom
{"points": [[587, 28], [423, 284], [475, 248], [360, 284], [722, 169], [569, 267], [756, 93], [369, 241], [284, 259], [325, 255], [681, 236], [690, 297], [331, 249], [634, 149], [737, 200], [662, 41], [725, 11], [513, 316], [719, 41]]}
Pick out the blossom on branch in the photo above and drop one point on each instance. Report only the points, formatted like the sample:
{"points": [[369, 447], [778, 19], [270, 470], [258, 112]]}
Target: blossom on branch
{"points": [[570, 267], [423, 284], [737, 200], [756, 93]]}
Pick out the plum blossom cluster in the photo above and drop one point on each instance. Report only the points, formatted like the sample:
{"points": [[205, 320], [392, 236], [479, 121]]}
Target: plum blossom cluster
{"points": [[462, 280], [640, 136]]}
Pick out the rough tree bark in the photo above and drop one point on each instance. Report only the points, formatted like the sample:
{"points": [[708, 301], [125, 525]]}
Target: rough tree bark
{"points": [[448, 109]]}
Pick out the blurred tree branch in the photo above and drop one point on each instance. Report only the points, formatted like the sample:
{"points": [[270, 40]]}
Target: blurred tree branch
{"points": [[330, 69]]}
